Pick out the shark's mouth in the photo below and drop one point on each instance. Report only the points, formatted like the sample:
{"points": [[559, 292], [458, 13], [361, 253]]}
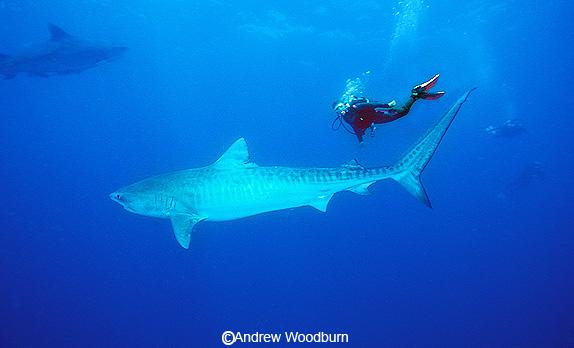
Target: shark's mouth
{"points": [[118, 198]]}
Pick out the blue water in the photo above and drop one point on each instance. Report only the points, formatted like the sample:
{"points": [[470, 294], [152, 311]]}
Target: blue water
{"points": [[491, 265]]}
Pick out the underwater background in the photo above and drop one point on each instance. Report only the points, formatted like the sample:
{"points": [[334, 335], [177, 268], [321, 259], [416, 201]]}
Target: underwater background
{"points": [[491, 265]]}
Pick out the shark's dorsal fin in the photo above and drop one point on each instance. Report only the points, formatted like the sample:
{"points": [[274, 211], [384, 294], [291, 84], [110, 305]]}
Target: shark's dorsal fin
{"points": [[182, 226], [57, 33], [236, 156], [353, 164]]}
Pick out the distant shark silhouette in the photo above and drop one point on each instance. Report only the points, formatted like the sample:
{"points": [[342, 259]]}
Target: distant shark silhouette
{"points": [[63, 54], [234, 187]]}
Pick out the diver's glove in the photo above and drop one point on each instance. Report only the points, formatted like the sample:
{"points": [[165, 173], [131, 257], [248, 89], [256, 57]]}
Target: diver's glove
{"points": [[422, 91]]}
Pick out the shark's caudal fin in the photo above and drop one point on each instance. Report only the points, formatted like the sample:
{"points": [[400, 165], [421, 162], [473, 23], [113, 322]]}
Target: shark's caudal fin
{"points": [[408, 169]]}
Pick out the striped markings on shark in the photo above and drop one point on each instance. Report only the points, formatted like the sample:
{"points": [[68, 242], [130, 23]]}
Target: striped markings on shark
{"points": [[234, 187]]}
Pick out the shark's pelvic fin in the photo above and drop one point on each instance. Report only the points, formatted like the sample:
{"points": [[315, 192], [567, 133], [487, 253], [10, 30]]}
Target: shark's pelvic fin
{"points": [[236, 156], [408, 169], [57, 33], [182, 226], [321, 202]]}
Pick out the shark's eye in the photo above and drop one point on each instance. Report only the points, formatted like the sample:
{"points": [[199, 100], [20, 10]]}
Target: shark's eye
{"points": [[118, 196]]}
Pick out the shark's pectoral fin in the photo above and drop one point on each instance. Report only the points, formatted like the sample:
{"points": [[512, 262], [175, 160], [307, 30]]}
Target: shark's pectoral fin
{"points": [[362, 189], [182, 226], [321, 202]]}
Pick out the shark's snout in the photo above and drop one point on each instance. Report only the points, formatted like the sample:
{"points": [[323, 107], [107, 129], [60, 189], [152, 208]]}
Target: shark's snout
{"points": [[117, 197]]}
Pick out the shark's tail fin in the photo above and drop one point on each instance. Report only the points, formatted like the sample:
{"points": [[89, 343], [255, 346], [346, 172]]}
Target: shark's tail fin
{"points": [[408, 169]]}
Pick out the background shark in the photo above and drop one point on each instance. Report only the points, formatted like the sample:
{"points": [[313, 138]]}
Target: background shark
{"points": [[63, 54], [233, 187]]}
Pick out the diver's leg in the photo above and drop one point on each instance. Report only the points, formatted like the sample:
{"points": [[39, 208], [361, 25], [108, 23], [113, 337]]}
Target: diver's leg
{"points": [[393, 111], [403, 110], [359, 133], [418, 92]]}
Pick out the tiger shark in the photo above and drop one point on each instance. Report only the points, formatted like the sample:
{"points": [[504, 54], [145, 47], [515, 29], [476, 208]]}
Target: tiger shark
{"points": [[62, 54], [234, 187]]}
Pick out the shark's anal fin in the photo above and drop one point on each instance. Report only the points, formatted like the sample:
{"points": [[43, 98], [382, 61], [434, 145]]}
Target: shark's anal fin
{"points": [[236, 156], [182, 226], [362, 189], [57, 33], [321, 202], [408, 169]]}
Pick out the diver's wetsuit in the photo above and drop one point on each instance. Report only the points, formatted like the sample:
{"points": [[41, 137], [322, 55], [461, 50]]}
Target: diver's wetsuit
{"points": [[363, 114]]}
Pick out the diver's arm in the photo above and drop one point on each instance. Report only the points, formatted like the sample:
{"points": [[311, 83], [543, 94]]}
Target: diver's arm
{"points": [[358, 107], [378, 105], [361, 106]]}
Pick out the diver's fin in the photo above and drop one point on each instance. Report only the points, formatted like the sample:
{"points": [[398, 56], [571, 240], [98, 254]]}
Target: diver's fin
{"points": [[321, 202], [428, 84], [57, 33], [362, 189], [430, 95], [236, 156], [408, 169], [182, 226]]}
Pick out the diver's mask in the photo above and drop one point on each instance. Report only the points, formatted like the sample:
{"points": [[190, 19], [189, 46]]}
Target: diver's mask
{"points": [[340, 107]]}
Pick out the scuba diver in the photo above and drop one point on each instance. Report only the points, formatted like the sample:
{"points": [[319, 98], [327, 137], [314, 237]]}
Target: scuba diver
{"points": [[362, 114], [509, 129]]}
